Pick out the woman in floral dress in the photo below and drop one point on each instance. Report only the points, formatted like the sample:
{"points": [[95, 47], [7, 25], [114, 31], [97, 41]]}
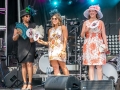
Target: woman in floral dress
{"points": [[93, 31], [57, 41]]}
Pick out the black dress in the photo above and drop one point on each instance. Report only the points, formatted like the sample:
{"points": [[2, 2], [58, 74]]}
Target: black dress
{"points": [[26, 49]]}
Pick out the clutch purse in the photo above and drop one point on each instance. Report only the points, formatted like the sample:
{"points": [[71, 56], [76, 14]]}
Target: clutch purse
{"points": [[102, 48], [22, 28]]}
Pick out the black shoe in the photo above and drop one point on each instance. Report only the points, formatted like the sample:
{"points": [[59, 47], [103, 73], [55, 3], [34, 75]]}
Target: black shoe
{"points": [[29, 88], [24, 88]]}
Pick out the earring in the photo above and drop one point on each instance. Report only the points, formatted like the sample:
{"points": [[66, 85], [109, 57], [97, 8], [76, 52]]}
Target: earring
{"points": [[59, 23]]}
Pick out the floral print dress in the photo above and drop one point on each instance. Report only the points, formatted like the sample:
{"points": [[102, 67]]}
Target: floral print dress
{"points": [[56, 44], [91, 53]]}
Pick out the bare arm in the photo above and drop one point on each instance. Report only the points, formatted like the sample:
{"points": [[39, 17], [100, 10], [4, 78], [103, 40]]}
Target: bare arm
{"points": [[104, 34], [65, 37], [84, 29], [15, 35], [44, 42], [31, 40]]}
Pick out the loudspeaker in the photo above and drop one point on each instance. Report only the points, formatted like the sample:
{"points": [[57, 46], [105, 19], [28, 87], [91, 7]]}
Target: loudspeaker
{"points": [[97, 85], [3, 71], [14, 78], [62, 83], [118, 84]]}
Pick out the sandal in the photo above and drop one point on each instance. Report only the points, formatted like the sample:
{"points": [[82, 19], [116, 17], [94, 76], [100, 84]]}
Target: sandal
{"points": [[31, 86], [23, 86]]}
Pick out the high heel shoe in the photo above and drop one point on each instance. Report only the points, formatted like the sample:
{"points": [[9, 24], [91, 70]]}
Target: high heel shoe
{"points": [[29, 88], [23, 85]]}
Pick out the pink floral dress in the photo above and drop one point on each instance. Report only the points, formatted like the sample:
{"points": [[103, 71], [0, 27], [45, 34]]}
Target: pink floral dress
{"points": [[91, 53]]}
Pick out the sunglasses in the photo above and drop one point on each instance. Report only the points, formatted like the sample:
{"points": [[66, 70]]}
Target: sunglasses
{"points": [[54, 18], [27, 16]]}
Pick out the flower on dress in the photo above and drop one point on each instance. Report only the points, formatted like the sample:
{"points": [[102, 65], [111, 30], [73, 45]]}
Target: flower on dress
{"points": [[84, 48], [93, 35], [104, 61], [99, 36], [50, 58], [53, 35], [53, 41], [85, 62], [92, 46], [94, 61]]}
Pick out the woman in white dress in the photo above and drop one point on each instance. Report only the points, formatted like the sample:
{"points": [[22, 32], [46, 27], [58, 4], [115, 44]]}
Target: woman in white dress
{"points": [[57, 41]]}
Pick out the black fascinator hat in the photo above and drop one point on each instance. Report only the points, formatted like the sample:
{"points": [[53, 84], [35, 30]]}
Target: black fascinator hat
{"points": [[53, 12], [28, 11]]}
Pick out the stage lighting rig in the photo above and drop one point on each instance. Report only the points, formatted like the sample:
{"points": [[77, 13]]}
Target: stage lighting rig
{"points": [[55, 3], [92, 0], [70, 2]]}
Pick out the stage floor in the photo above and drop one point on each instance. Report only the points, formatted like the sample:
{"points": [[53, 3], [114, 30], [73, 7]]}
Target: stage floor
{"points": [[34, 88]]}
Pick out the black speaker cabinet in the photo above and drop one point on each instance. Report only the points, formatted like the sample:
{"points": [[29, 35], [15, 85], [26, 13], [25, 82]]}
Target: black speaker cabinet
{"points": [[97, 85], [118, 85], [62, 83], [13, 78]]}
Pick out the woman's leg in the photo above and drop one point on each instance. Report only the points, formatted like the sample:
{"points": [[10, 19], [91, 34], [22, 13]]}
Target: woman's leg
{"points": [[55, 66], [99, 72], [63, 67], [30, 74], [91, 72], [24, 73]]}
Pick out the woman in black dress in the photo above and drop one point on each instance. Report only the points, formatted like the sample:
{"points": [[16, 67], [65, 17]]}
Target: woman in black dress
{"points": [[26, 49]]}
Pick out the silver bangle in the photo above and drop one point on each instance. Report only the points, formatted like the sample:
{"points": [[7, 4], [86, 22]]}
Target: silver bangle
{"points": [[16, 35]]}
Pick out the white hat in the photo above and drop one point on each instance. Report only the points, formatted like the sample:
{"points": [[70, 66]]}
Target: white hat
{"points": [[93, 7]]}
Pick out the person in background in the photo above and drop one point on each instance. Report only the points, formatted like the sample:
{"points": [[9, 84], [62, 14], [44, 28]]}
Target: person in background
{"points": [[93, 31]]}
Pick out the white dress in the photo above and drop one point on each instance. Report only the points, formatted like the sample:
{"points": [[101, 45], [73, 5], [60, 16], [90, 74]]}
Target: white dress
{"points": [[56, 44]]}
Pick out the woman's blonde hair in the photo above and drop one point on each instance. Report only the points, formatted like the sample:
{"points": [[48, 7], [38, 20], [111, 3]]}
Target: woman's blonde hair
{"points": [[58, 16]]}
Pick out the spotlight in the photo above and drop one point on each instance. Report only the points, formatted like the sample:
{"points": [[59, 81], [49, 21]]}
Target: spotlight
{"points": [[92, 0], [55, 3], [69, 2]]}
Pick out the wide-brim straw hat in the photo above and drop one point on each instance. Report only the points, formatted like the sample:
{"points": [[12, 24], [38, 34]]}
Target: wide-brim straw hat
{"points": [[93, 7]]}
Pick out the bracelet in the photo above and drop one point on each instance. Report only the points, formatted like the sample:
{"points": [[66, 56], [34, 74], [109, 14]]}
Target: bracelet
{"points": [[16, 35], [63, 51]]}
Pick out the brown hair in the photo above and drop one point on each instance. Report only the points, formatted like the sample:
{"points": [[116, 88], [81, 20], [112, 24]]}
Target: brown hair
{"points": [[58, 16], [97, 16]]}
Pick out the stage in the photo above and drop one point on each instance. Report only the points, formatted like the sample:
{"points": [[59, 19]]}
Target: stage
{"points": [[34, 88]]}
